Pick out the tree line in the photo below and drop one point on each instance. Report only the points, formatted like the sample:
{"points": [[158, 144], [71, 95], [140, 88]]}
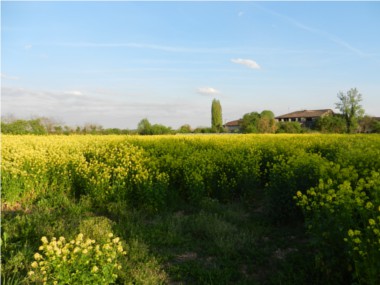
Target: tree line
{"points": [[350, 120], [45, 126]]}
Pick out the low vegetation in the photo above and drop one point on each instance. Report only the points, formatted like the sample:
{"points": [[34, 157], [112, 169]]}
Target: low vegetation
{"points": [[247, 209]]}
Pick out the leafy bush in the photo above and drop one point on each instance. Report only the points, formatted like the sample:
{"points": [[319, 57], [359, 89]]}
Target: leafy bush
{"points": [[343, 221], [287, 176]]}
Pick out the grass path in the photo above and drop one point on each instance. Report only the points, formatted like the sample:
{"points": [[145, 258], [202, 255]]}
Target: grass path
{"points": [[214, 243]]}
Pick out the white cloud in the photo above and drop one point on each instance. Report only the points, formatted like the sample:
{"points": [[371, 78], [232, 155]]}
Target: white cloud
{"points": [[5, 76], [247, 62], [241, 13], [28, 46], [74, 93], [207, 91]]}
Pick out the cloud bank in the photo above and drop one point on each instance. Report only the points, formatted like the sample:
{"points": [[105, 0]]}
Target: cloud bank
{"points": [[5, 76], [79, 107]]}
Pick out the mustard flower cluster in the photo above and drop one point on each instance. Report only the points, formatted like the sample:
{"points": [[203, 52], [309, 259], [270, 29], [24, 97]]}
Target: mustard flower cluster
{"points": [[355, 212], [79, 261]]}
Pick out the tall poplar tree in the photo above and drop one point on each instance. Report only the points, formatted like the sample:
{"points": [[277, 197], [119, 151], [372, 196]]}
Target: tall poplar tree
{"points": [[216, 116]]}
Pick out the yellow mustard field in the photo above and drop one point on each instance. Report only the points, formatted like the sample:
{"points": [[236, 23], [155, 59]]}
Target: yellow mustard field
{"points": [[329, 182]]}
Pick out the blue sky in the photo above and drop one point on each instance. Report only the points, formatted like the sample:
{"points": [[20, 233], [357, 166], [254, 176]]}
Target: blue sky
{"points": [[115, 63]]}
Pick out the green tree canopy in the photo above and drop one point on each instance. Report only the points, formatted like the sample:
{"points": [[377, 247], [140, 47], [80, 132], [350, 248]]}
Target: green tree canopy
{"points": [[331, 124], [259, 123], [144, 127], [289, 127], [369, 124], [349, 106], [250, 122], [216, 116], [266, 123], [158, 129], [184, 129]]}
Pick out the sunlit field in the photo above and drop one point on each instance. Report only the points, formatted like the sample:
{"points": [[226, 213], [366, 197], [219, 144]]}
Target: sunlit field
{"points": [[190, 209]]}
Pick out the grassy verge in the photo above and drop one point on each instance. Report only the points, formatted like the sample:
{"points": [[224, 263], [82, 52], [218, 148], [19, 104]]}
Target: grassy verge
{"points": [[206, 243]]}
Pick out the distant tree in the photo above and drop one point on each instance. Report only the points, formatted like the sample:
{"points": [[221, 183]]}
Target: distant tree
{"points": [[349, 106], [185, 129], [203, 130], [67, 130], [369, 124], [289, 127], [58, 129], [266, 123], [376, 127], [51, 125], [216, 116], [15, 127], [331, 124], [36, 127], [250, 122], [158, 129], [111, 131], [92, 128], [144, 127]]}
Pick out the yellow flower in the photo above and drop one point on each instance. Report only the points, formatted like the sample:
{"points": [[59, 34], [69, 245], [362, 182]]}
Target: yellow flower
{"points": [[44, 240], [110, 235], [34, 264], [369, 205], [94, 269], [37, 256], [80, 237], [30, 273], [357, 240], [116, 240]]}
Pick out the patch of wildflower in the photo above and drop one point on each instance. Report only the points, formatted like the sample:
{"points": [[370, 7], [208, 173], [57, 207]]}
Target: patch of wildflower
{"points": [[349, 216], [364, 248], [78, 261]]}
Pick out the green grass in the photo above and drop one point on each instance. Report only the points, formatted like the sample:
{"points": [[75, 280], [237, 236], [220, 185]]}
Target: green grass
{"points": [[204, 243], [214, 243]]}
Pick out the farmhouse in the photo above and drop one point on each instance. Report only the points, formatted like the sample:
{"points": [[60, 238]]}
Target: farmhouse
{"points": [[233, 126], [306, 118]]}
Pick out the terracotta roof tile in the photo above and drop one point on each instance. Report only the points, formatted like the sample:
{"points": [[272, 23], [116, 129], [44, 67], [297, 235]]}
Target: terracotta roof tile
{"points": [[235, 123], [306, 114]]}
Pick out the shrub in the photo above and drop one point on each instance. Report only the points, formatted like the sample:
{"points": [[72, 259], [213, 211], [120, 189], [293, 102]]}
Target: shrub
{"points": [[79, 261], [343, 221], [297, 173]]}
